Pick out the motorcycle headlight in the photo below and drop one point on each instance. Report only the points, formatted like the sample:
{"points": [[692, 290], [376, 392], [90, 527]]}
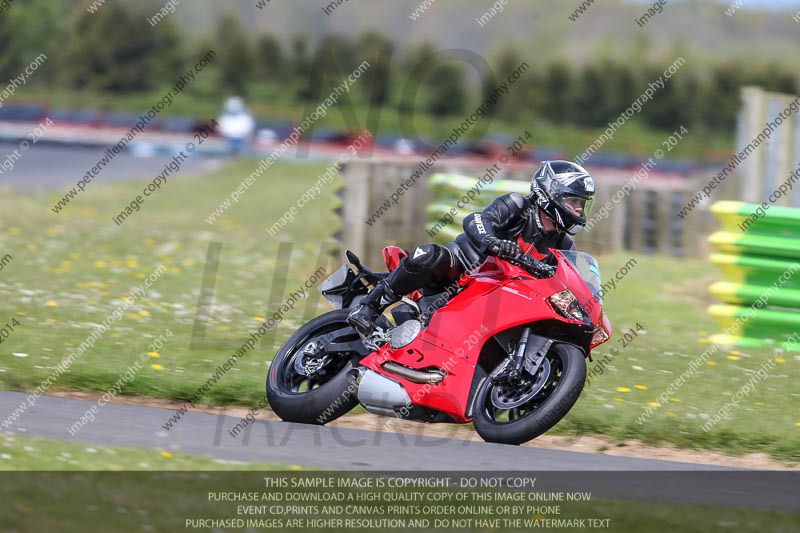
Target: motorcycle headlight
{"points": [[599, 336], [568, 306]]}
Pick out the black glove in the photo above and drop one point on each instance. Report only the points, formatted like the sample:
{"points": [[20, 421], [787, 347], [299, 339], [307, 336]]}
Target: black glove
{"points": [[500, 247], [543, 270], [536, 267]]}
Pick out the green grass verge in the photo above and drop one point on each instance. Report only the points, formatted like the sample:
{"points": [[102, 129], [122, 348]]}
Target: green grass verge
{"points": [[70, 270]]}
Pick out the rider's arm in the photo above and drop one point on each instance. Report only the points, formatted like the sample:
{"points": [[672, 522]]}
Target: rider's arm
{"points": [[500, 214]]}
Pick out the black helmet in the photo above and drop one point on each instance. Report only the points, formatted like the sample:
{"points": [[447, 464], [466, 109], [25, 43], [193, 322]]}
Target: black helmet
{"points": [[565, 192]]}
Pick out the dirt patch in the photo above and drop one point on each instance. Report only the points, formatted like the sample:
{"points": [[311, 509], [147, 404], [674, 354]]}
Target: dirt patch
{"points": [[586, 444]]}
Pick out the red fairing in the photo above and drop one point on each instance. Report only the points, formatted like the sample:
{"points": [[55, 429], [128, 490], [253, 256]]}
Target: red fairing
{"points": [[392, 255], [497, 296], [606, 326], [574, 281]]}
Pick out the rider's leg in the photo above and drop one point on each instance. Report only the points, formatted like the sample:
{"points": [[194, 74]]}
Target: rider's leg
{"points": [[427, 264]]}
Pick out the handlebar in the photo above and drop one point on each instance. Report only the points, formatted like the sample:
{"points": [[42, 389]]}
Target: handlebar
{"points": [[531, 265]]}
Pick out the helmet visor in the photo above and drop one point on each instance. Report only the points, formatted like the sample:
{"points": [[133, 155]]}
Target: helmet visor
{"points": [[580, 207]]}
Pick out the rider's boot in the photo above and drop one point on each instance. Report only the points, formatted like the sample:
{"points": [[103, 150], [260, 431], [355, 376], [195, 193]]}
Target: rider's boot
{"points": [[363, 317]]}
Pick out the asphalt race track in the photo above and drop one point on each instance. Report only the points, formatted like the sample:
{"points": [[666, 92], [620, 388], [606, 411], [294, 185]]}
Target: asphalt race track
{"points": [[362, 450], [35, 169], [300, 444]]}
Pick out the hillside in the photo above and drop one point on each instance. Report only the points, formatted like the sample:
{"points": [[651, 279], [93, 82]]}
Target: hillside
{"points": [[543, 27]]}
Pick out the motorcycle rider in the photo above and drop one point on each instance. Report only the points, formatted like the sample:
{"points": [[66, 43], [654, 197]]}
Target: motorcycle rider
{"points": [[559, 205]]}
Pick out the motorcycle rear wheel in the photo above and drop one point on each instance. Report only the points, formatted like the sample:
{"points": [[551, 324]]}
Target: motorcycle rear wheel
{"points": [[310, 398], [561, 382]]}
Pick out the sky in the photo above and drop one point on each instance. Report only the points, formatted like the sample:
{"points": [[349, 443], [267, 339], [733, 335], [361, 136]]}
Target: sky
{"points": [[774, 5], [777, 5]]}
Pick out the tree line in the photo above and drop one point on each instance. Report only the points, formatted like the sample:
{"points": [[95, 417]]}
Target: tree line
{"points": [[115, 51]]}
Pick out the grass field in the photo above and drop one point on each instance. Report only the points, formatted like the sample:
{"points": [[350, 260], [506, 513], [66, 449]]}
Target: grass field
{"points": [[70, 271]]}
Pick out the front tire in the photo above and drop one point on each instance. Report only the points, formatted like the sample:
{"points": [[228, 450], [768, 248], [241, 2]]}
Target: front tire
{"points": [[314, 398], [561, 386]]}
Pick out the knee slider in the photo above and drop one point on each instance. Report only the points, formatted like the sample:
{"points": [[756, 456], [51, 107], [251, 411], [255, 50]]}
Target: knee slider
{"points": [[422, 258]]}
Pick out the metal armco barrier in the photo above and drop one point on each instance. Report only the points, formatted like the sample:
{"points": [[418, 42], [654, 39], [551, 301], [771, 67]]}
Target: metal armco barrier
{"points": [[758, 252]]}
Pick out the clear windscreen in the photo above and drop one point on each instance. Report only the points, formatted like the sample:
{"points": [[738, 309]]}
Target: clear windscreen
{"points": [[587, 267]]}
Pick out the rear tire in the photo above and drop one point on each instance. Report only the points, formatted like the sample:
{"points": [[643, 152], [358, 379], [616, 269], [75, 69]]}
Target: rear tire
{"points": [[567, 376], [321, 402]]}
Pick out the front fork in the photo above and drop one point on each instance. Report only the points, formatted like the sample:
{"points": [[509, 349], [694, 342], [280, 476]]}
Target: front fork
{"points": [[519, 358], [517, 362], [512, 368]]}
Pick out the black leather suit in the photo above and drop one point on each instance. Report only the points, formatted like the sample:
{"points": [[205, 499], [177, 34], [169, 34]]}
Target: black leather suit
{"points": [[511, 217]]}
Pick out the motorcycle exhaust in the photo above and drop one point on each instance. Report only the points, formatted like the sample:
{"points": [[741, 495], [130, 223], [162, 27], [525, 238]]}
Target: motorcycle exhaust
{"points": [[380, 395], [432, 377]]}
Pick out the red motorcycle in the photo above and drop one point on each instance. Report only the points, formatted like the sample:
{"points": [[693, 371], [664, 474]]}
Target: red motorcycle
{"points": [[504, 348]]}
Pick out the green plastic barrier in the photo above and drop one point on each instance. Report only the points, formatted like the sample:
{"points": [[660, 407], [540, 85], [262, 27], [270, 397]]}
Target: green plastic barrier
{"points": [[764, 328], [760, 287], [761, 245], [746, 295], [738, 217], [751, 270]]}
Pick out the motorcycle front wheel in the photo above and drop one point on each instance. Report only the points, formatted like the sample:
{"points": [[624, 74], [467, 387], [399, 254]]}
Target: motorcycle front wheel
{"points": [[307, 382], [515, 412]]}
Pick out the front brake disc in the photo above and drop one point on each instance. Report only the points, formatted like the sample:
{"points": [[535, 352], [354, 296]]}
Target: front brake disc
{"points": [[505, 395]]}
